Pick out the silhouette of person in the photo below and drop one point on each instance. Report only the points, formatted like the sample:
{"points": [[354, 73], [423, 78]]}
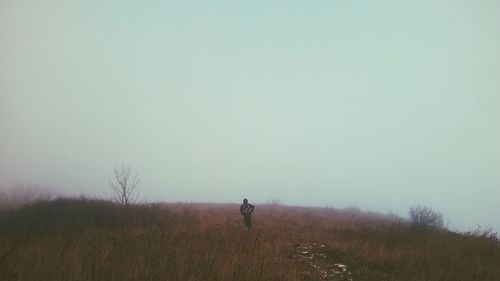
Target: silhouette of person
{"points": [[246, 210]]}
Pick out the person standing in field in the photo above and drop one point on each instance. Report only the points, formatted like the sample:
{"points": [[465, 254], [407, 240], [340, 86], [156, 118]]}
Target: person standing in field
{"points": [[246, 210]]}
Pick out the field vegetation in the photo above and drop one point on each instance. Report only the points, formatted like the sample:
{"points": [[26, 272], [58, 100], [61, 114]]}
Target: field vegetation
{"points": [[83, 239]]}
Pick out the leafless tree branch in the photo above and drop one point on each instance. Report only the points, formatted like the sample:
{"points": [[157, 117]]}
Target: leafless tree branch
{"points": [[124, 184]]}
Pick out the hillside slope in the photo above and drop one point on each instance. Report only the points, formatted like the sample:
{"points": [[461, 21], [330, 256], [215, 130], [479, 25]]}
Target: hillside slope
{"points": [[79, 239]]}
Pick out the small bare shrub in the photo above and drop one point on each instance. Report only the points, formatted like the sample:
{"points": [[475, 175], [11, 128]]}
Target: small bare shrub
{"points": [[483, 233], [423, 217]]}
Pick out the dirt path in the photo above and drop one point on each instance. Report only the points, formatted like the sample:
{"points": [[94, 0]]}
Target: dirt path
{"points": [[314, 256]]}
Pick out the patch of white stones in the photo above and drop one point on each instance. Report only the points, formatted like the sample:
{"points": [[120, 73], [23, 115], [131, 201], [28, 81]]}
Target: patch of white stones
{"points": [[312, 255]]}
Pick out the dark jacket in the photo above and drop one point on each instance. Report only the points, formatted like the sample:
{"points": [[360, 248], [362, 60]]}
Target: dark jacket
{"points": [[246, 209]]}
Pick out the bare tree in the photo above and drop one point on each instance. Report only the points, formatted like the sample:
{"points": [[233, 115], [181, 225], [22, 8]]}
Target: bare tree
{"points": [[423, 217], [123, 184]]}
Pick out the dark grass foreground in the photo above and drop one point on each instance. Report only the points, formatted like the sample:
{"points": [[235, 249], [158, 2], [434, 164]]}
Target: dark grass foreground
{"points": [[79, 239]]}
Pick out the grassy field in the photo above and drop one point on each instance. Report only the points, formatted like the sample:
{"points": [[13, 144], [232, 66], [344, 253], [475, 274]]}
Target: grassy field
{"points": [[80, 239]]}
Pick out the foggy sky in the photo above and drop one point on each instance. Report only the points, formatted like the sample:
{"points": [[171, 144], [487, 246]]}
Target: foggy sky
{"points": [[375, 104]]}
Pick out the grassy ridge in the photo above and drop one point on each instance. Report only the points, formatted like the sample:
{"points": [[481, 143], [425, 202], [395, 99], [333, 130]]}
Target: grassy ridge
{"points": [[79, 239]]}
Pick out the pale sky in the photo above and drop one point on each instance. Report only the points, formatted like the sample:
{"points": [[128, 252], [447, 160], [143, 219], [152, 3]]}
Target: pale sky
{"points": [[375, 104]]}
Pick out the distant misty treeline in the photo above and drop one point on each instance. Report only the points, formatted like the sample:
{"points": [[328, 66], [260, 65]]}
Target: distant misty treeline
{"points": [[15, 196]]}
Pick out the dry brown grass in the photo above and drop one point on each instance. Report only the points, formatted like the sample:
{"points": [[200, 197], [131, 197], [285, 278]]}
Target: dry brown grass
{"points": [[96, 240]]}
